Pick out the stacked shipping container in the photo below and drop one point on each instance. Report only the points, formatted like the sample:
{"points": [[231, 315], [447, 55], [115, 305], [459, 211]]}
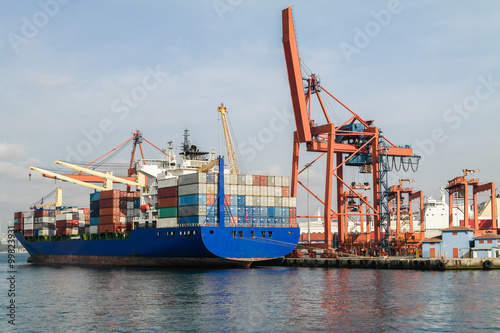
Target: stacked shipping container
{"points": [[72, 221], [117, 210], [250, 200]]}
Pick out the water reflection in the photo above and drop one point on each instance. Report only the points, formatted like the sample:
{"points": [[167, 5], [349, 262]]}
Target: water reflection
{"points": [[257, 300]]}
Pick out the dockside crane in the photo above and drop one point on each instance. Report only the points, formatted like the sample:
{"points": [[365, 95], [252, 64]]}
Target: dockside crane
{"points": [[355, 142], [57, 203], [231, 153]]}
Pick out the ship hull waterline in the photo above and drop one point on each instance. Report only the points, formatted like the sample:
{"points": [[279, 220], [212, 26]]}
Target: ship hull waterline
{"points": [[170, 247]]}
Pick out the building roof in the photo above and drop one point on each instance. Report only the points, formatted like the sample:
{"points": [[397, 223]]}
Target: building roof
{"points": [[482, 248], [431, 240], [487, 236], [457, 228]]}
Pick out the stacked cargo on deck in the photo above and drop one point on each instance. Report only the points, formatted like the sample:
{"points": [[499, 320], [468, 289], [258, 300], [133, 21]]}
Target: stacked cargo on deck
{"points": [[250, 200], [260, 200], [24, 221], [116, 211], [44, 222], [167, 203], [72, 221]]}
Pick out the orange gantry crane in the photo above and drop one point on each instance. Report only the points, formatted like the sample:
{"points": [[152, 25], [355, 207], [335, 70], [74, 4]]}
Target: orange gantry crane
{"points": [[459, 197], [355, 142]]}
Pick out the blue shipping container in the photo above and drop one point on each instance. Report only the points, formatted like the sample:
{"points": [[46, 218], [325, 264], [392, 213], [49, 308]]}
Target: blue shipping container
{"points": [[95, 196], [192, 199], [94, 221], [241, 200], [271, 211]]}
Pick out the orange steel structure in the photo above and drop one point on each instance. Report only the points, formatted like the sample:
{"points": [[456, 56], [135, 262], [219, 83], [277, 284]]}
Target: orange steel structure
{"points": [[354, 142], [136, 139], [458, 191]]}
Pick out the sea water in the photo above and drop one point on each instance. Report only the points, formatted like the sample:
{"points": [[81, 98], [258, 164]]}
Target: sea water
{"points": [[261, 299]]}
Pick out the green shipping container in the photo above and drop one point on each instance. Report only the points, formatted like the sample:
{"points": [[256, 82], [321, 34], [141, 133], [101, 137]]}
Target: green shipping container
{"points": [[167, 212]]}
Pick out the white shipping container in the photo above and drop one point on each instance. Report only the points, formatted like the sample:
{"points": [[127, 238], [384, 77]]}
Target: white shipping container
{"points": [[264, 201], [256, 190], [248, 190], [28, 215], [167, 222], [263, 191], [130, 205], [271, 201], [167, 182], [293, 202], [270, 191], [70, 210], [285, 181], [286, 202], [278, 191], [64, 217], [94, 229], [211, 189], [241, 190], [81, 224], [277, 181], [43, 232], [278, 201], [270, 180], [28, 226], [231, 179], [249, 200], [248, 180]]}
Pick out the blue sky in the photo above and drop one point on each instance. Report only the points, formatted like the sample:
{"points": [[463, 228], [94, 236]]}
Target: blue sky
{"points": [[428, 74]]}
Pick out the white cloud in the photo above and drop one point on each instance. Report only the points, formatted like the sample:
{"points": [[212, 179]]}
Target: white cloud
{"points": [[12, 150]]}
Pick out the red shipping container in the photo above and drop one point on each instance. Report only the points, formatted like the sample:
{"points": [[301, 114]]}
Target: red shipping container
{"points": [[64, 231], [112, 194], [293, 212], [263, 181], [18, 226], [109, 211], [167, 192], [108, 203], [109, 219], [28, 233], [167, 202], [227, 200], [210, 199], [255, 180], [286, 191], [64, 224], [19, 214], [103, 228]]}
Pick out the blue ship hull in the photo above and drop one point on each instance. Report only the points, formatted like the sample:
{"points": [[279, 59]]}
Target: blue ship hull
{"points": [[163, 247]]}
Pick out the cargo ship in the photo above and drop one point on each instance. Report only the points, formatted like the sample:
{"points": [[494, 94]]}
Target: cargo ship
{"points": [[183, 217]]}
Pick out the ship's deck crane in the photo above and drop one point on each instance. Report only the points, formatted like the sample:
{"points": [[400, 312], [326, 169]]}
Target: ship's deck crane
{"points": [[57, 203], [231, 153], [355, 142]]}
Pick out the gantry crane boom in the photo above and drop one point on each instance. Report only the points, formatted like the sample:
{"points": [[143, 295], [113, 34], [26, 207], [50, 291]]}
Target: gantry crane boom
{"points": [[295, 77], [67, 179], [231, 153], [110, 178]]}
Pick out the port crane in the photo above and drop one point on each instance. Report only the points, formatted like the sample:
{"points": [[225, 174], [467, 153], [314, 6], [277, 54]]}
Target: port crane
{"points": [[87, 176], [57, 203], [231, 153], [355, 142], [458, 189]]}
